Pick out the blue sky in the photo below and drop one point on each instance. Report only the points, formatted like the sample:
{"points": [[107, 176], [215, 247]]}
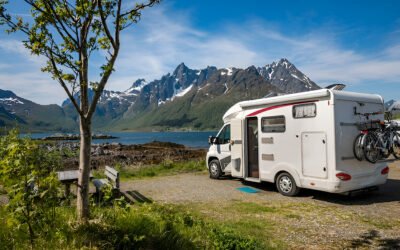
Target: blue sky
{"points": [[352, 42]]}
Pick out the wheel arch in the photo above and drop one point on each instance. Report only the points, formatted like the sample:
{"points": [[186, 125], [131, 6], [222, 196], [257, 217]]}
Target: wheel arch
{"points": [[293, 173], [212, 158]]}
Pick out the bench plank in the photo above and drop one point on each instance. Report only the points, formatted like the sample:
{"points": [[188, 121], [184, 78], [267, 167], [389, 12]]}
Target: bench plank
{"points": [[112, 171], [112, 179]]}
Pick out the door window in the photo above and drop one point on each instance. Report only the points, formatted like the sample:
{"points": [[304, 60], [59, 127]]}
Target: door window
{"points": [[225, 135]]}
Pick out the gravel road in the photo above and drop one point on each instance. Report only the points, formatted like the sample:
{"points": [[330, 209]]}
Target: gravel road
{"points": [[370, 220], [198, 187]]}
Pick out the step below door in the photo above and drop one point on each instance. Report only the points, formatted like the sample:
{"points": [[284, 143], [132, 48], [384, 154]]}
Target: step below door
{"points": [[314, 157]]}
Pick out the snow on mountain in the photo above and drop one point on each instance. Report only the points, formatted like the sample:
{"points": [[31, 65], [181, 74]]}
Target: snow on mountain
{"points": [[393, 105], [287, 77], [137, 86], [10, 101], [184, 91]]}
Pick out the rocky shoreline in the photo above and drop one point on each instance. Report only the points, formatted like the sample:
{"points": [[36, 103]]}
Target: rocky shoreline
{"points": [[74, 137], [128, 155]]}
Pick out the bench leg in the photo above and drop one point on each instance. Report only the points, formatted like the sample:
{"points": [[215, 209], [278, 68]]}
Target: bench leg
{"points": [[67, 192]]}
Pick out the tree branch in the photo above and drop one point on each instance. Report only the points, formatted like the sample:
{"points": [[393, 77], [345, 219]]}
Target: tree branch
{"points": [[61, 22], [104, 22], [140, 7], [61, 81]]}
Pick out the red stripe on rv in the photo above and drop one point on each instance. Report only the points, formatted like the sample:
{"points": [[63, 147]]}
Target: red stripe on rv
{"points": [[278, 106]]}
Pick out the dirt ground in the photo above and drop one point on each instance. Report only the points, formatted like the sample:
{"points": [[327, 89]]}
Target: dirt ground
{"points": [[312, 220]]}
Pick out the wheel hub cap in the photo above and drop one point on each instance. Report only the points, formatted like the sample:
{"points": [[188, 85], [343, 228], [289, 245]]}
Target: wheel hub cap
{"points": [[285, 184], [214, 169]]}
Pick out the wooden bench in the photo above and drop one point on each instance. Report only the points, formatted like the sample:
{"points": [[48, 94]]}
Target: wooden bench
{"points": [[112, 178]]}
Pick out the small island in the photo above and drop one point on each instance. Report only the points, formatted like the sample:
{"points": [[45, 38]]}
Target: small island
{"points": [[73, 137]]}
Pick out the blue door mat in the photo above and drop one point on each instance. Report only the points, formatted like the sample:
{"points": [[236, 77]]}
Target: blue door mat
{"points": [[248, 190]]}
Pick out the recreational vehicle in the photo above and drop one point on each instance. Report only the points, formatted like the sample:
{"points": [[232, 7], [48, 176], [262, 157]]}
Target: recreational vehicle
{"points": [[302, 140]]}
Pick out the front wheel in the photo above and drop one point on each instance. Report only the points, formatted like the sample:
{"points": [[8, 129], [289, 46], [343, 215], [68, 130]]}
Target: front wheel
{"points": [[286, 185], [215, 169], [371, 150], [396, 146]]}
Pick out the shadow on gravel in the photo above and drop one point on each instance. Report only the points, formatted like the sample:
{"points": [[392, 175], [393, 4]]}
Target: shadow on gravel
{"points": [[372, 238], [386, 193]]}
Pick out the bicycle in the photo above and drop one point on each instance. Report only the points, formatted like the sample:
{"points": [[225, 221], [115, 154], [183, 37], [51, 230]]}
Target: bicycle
{"points": [[364, 127], [359, 142], [380, 143]]}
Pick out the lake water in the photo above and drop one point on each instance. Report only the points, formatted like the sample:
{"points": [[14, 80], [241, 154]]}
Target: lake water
{"points": [[189, 139]]}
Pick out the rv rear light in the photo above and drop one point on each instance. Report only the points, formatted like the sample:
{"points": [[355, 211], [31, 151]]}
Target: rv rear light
{"points": [[385, 170], [343, 176]]}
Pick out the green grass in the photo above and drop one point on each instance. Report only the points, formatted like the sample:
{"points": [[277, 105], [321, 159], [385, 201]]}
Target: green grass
{"points": [[167, 167], [149, 226]]}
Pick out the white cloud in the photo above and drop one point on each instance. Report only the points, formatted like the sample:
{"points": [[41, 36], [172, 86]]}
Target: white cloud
{"points": [[34, 86], [165, 37], [163, 40]]}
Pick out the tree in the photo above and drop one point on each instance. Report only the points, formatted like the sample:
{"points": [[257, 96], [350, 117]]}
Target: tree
{"points": [[68, 33]]}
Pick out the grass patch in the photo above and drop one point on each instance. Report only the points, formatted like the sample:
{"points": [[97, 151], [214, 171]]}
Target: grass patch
{"points": [[165, 168], [251, 207], [380, 223], [149, 226]]}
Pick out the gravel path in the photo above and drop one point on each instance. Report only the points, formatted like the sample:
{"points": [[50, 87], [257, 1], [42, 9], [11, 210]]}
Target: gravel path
{"points": [[314, 220], [200, 188]]}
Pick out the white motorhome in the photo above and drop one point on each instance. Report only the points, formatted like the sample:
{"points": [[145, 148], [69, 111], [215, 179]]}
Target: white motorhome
{"points": [[302, 140]]}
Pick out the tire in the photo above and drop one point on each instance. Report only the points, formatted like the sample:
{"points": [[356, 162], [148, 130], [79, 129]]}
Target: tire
{"points": [[358, 147], [214, 168], [286, 185], [396, 146], [371, 152]]}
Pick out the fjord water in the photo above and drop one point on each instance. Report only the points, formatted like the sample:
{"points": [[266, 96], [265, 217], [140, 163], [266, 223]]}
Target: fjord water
{"points": [[189, 139]]}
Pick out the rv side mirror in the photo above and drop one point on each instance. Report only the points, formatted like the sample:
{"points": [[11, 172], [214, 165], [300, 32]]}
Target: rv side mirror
{"points": [[213, 140]]}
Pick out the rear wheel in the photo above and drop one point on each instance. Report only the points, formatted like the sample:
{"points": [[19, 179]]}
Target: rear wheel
{"points": [[396, 146], [358, 147], [371, 151], [215, 169], [286, 185]]}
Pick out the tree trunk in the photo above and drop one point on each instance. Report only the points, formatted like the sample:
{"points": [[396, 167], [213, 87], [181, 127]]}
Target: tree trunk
{"points": [[84, 170]]}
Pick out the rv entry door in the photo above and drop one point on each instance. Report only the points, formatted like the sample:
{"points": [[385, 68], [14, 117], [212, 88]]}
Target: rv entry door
{"points": [[237, 148]]}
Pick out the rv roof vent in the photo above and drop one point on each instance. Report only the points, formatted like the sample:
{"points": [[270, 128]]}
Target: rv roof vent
{"points": [[272, 94], [336, 86]]}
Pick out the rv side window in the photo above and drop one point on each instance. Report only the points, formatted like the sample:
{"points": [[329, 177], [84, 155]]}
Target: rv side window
{"points": [[225, 135], [273, 124], [308, 110]]}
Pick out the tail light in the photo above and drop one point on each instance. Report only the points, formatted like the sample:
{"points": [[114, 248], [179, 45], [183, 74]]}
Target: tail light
{"points": [[385, 170], [343, 176]]}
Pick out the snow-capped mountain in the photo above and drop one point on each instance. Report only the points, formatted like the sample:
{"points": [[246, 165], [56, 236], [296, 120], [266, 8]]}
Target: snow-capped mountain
{"points": [[287, 77], [184, 98], [136, 87], [31, 116], [393, 105]]}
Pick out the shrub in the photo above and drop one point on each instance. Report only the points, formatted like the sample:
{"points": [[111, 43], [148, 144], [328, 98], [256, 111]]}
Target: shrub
{"points": [[27, 173]]}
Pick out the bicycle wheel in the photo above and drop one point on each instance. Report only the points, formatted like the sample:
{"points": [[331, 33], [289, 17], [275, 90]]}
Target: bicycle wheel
{"points": [[396, 146], [358, 147], [371, 150]]}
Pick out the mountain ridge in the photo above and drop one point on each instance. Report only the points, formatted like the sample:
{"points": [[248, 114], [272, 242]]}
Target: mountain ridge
{"points": [[184, 99]]}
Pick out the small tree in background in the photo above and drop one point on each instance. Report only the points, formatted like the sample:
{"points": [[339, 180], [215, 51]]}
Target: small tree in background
{"points": [[68, 33], [28, 174]]}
